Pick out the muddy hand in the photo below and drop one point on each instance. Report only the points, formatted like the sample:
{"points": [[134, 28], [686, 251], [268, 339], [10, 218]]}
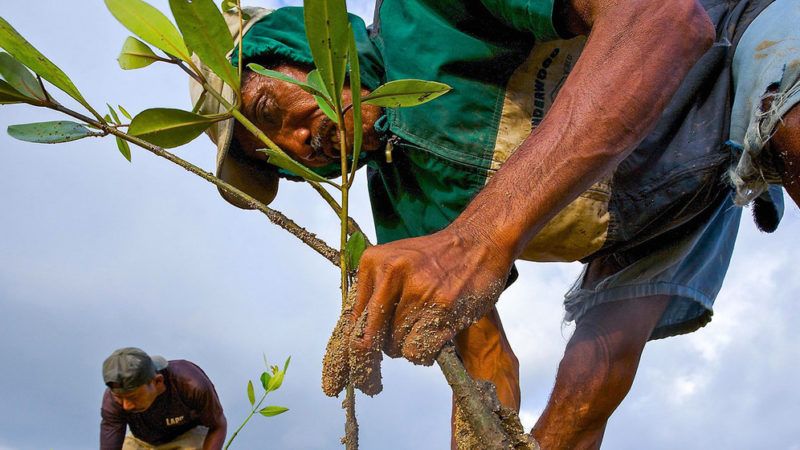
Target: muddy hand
{"points": [[413, 296], [337, 363]]}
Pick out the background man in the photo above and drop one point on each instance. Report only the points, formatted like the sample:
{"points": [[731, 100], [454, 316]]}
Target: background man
{"points": [[166, 404], [656, 256]]}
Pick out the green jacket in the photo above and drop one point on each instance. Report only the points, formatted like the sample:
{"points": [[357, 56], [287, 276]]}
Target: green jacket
{"points": [[506, 63]]}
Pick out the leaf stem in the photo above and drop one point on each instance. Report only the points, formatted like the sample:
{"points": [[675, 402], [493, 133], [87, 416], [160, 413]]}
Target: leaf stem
{"points": [[44, 91], [352, 225], [241, 38], [274, 216], [351, 424], [194, 74], [255, 408]]}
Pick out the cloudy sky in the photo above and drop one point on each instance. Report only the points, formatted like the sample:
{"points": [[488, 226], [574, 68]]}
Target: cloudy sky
{"points": [[97, 253]]}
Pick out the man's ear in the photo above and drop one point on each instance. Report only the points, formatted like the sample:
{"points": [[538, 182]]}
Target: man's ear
{"points": [[158, 380]]}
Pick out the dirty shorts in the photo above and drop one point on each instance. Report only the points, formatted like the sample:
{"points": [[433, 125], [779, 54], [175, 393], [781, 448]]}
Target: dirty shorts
{"points": [[191, 440], [687, 263]]}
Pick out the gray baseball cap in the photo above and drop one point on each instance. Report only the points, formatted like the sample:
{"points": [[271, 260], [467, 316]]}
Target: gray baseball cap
{"points": [[130, 367]]}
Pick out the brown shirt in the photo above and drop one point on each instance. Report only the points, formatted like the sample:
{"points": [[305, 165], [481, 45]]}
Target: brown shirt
{"points": [[188, 401]]}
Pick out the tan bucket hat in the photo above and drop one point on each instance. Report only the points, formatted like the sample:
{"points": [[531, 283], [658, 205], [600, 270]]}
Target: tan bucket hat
{"points": [[260, 182]]}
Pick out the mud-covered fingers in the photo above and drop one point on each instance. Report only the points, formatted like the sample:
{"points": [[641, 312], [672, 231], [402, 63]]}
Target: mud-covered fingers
{"points": [[405, 316], [423, 343], [368, 335], [365, 362], [423, 333], [393, 344], [355, 305], [336, 362]]}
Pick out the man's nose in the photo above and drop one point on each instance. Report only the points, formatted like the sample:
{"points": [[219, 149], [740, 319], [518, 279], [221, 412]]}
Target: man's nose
{"points": [[301, 138], [127, 405], [297, 142]]}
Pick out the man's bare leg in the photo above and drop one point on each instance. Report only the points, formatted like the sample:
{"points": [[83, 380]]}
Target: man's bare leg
{"points": [[486, 354], [596, 372]]}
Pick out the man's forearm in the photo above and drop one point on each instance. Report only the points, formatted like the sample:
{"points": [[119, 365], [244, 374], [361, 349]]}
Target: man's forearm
{"points": [[415, 294], [636, 55], [215, 438], [112, 434]]}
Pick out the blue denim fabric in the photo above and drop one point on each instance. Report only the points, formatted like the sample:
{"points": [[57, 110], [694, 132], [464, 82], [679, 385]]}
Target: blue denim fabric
{"points": [[688, 264]]}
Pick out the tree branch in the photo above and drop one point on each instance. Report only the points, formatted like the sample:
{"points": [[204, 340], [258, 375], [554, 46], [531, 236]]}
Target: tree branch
{"points": [[274, 216], [484, 422]]}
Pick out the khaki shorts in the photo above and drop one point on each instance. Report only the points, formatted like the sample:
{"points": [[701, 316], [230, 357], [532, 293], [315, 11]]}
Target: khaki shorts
{"points": [[191, 440]]}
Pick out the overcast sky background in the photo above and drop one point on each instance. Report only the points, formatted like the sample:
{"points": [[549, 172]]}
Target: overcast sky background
{"points": [[97, 254]]}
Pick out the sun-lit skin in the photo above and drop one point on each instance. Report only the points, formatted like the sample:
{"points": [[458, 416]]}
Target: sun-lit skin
{"points": [[592, 125], [293, 120], [557, 162], [141, 398], [785, 145]]}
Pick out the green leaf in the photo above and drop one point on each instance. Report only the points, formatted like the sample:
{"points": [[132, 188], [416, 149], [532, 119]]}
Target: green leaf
{"points": [[283, 161], [113, 114], [326, 108], [259, 69], [206, 33], [355, 90], [25, 53], [227, 5], [135, 54], [124, 113], [403, 93], [168, 128], [315, 82], [286, 365], [124, 148], [200, 101], [251, 395], [353, 249], [326, 30], [270, 411], [19, 77], [265, 377], [10, 95], [276, 381], [149, 24], [50, 132]]}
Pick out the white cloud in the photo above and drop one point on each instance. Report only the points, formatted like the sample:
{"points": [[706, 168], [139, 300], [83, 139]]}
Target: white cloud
{"points": [[529, 417]]}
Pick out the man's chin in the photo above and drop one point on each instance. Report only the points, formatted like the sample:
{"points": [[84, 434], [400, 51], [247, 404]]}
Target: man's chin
{"points": [[319, 161]]}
